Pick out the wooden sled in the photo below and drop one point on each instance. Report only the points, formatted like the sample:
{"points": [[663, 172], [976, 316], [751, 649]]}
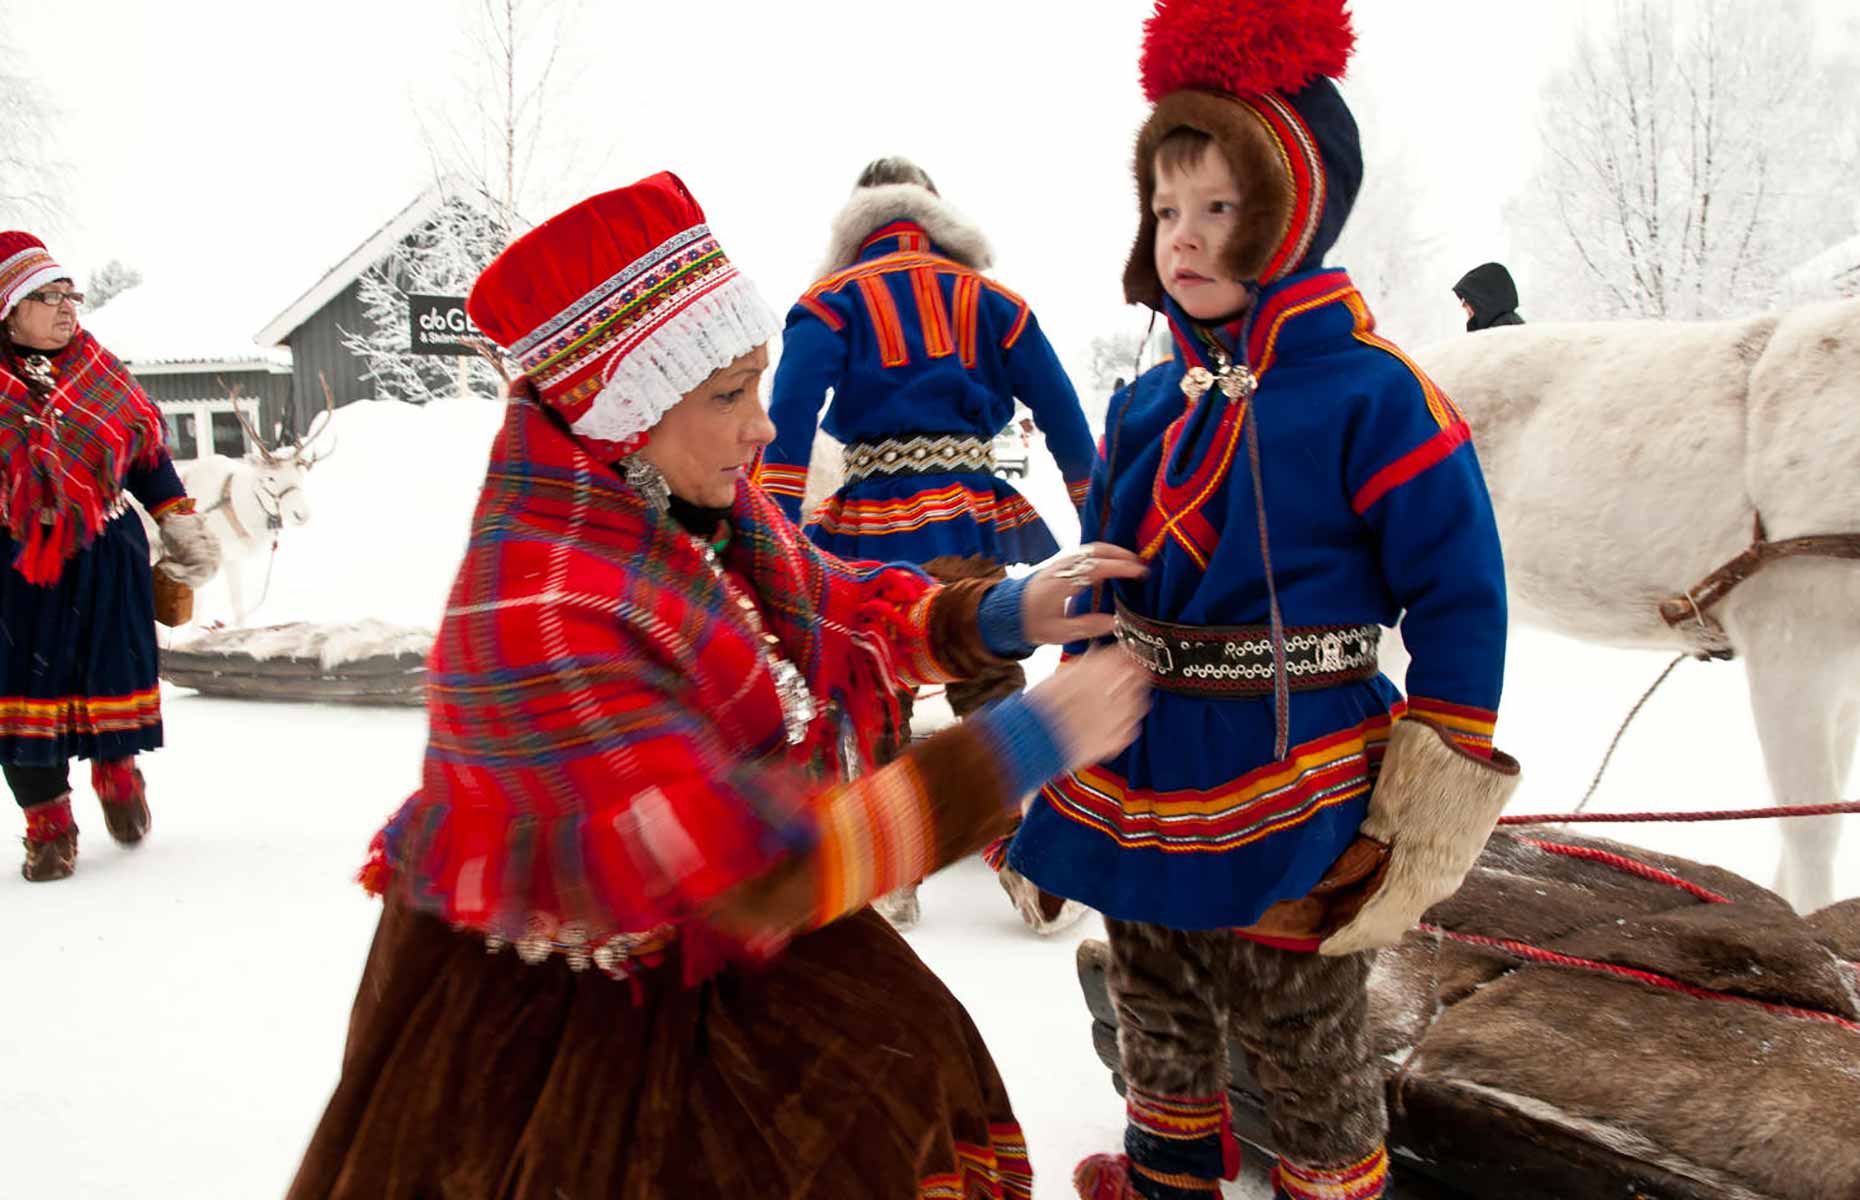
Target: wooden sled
{"points": [[365, 662], [1574, 1029]]}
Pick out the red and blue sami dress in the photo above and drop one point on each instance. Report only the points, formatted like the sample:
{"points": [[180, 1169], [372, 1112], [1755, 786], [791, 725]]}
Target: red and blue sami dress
{"points": [[1376, 512], [77, 609], [915, 344]]}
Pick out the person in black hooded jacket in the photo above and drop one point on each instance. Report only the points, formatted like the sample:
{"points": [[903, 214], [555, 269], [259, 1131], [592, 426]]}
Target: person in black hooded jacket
{"points": [[1489, 297]]}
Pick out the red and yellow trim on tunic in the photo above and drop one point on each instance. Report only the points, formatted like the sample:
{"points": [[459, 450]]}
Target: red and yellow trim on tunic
{"points": [[1454, 432], [870, 518], [910, 235], [779, 479], [1364, 1180], [1020, 318], [1077, 490], [1471, 727], [932, 313], [1315, 776], [886, 324], [1175, 509], [966, 302], [25, 717], [167, 508], [999, 1169], [811, 302]]}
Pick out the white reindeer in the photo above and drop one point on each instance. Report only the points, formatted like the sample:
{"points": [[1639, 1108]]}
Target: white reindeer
{"points": [[1628, 461], [249, 501]]}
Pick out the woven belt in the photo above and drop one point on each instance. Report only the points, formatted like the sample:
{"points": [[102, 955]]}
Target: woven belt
{"points": [[928, 455], [1236, 660]]}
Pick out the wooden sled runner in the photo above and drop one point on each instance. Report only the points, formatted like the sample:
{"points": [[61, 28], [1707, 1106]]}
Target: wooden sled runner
{"points": [[1587, 1019], [363, 662]]}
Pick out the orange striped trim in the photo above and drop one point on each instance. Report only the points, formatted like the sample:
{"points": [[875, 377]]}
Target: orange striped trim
{"points": [[884, 266], [967, 303], [1020, 319], [1346, 292], [932, 315], [1076, 492], [1445, 413], [181, 503], [1365, 1180], [23, 717], [813, 305], [778, 479], [867, 518], [892, 351], [1236, 420], [1471, 727]]}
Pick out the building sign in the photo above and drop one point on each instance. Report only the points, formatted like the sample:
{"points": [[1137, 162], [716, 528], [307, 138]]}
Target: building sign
{"points": [[440, 326]]}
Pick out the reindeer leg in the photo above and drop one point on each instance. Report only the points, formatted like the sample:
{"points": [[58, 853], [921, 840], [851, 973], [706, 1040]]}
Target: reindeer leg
{"points": [[1794, 697]]}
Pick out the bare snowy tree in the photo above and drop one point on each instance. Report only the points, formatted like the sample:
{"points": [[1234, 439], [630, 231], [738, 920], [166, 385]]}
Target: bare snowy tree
{"points": [[107, 282], [1692, 154], [29, 174], [497, 160]]}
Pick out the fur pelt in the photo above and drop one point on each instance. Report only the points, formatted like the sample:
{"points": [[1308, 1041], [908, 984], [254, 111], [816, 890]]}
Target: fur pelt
{"points": [[1252, 155], [190, 552], [1435, 805], [872, 208]]}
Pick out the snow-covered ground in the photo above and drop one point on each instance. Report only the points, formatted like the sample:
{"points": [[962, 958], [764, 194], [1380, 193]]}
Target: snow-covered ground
{"points": [[174, 1016]]}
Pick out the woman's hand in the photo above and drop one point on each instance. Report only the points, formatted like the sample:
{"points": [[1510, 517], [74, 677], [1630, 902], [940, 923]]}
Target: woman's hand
{"points": [[1094, 705], [1047, 594]]}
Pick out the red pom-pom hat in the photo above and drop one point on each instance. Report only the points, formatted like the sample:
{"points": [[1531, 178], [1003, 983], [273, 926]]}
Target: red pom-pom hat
{"points": [[1255, 75], [618, 307]]}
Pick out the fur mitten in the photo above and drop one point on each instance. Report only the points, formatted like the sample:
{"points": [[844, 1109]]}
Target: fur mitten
{"points": [[190, 552], [1435, 804]]}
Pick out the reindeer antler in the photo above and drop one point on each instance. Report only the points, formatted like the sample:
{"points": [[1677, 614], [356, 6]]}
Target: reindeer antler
{"points": [[269, 452], [319, 425]]}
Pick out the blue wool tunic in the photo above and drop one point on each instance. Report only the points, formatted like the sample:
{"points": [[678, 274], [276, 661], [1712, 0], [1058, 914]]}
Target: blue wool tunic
{"points": [[913, 343], [1375, 511]]}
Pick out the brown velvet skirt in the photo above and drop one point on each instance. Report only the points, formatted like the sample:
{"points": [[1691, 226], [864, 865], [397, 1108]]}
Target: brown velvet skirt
{"points": [[844, 1069]]}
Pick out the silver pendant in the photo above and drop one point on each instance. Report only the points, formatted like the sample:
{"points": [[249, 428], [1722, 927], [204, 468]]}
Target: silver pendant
{"points": [[798, 709], [648, 481]]}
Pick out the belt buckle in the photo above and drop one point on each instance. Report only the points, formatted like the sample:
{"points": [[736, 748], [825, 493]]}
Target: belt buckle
{"points": [[1330, 652], [1151, 651]]}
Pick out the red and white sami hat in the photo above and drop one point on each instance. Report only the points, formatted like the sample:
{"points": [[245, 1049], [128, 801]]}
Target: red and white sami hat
{"points": [[618, 307], [25, 267]]}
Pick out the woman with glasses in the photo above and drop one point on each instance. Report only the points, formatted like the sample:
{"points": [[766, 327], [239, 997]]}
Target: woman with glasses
{"points": [[78, 437]]}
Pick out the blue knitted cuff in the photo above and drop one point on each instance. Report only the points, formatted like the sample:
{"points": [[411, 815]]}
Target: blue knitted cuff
{"points": [[1000, 616], [1028, 752]]}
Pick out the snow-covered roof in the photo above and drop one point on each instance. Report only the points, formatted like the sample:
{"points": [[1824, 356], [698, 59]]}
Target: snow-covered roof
{"points": [[366, 255], [163, 327], [1833, 272]]}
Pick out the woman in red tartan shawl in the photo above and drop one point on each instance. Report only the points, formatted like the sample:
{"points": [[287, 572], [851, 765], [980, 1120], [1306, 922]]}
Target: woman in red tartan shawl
{"points": [[643, 677], [78, 438]]}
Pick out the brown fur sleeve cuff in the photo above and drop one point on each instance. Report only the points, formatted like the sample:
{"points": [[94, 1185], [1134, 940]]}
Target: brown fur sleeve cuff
{"points": [[955, 629]]}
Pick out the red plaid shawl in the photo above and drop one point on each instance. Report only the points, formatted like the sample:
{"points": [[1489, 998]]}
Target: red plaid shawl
{"points": [[70, 466], [598, 707]]}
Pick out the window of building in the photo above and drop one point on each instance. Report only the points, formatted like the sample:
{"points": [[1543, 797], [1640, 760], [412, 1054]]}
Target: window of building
{"points": [[200, 427]]}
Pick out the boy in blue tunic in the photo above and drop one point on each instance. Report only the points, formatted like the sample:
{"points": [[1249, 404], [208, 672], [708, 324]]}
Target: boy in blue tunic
{"points": [[1294, 482]]}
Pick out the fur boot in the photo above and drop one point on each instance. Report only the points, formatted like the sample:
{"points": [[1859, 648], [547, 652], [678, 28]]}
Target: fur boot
{"points": [[51, 841], [1435, 804], [1044, 913], [119, 785], [900, 908]]}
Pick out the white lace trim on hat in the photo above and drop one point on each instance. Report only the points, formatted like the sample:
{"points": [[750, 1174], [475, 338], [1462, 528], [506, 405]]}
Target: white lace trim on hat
{"points": [[708, 334]]}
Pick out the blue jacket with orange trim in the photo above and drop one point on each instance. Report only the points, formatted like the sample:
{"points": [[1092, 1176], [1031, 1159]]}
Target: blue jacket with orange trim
{"points": [[911, 340], [1374, 511]]}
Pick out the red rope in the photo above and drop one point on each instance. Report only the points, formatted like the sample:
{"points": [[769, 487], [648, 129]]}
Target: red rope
{"points": [[1537, 954], [1844, 808], [1621, 862]]}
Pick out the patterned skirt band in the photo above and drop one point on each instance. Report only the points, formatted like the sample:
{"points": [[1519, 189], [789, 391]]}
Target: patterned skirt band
{"points": [[931, 454], [1236, 660]]}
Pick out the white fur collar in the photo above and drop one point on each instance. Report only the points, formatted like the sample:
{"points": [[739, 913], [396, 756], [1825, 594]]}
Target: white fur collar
{"points": [[871, 208]]}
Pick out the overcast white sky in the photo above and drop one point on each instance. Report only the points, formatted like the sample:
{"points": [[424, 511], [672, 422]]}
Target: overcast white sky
{"points": [[254, 144]]}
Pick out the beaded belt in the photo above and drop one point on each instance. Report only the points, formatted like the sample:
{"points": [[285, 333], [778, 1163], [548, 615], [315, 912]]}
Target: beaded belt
{"points": [[1236, 660], [932, 454]]}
